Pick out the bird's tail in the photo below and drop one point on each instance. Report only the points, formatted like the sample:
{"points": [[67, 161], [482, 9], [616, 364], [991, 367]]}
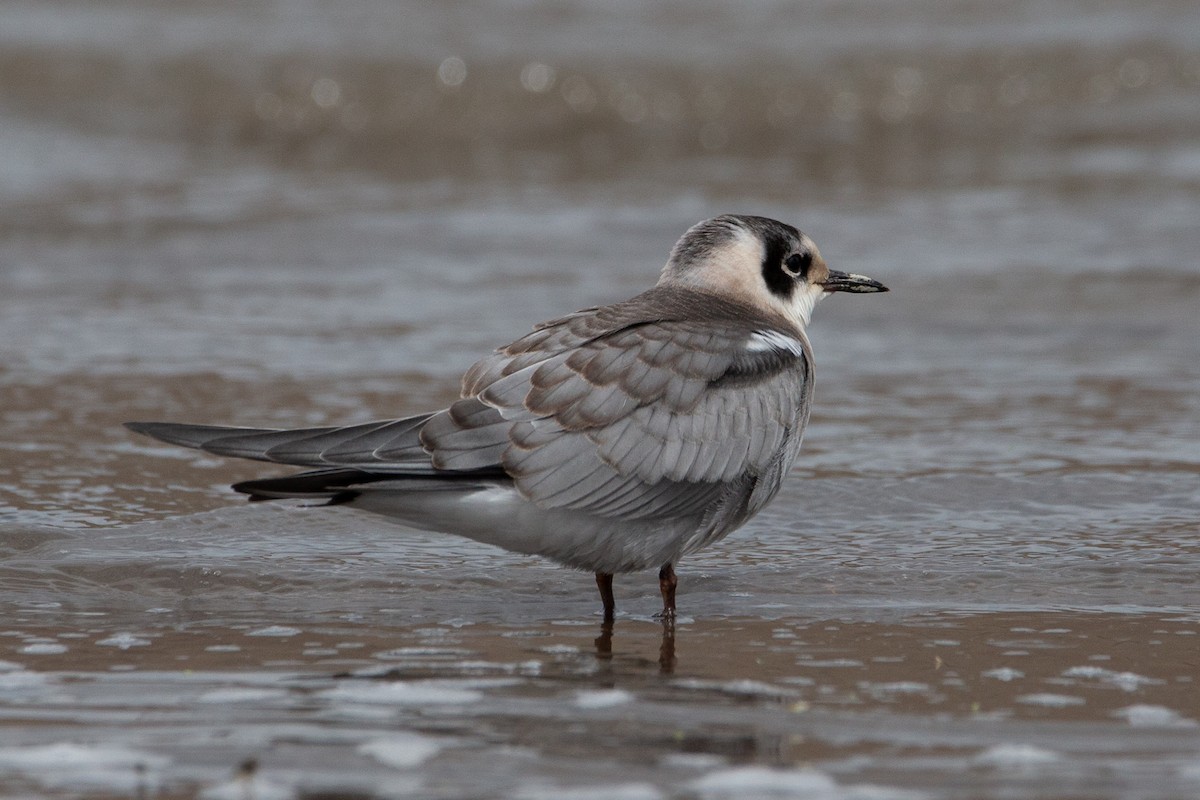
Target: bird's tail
{"points": [[336, 486], [350, 460], [332, 486], [394, 443]]}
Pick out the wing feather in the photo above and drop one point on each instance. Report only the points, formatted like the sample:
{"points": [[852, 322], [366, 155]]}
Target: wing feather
{"points": [[613, 416], [357, 444]]}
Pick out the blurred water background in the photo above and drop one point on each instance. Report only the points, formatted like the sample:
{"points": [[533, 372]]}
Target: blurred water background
{"points": [[980, 581]]}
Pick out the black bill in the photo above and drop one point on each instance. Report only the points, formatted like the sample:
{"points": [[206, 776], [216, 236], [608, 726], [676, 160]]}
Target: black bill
{"points": [[847, 282]]}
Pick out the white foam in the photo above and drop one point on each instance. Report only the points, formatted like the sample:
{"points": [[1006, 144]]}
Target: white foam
{"points": [[256, 788], [1018, 756], [604, 698], [402, 653], [21, 681], [620, 791], [742, 686], [831, 662], [402, 750], [83, 766], [898, 687], [746, 686], [1050, 700], [276, 630], [411, 693], [1148, 716], [693, 761], [43, 649], [123, 641], [1003, 674], [764, 783], [1127, 681]]}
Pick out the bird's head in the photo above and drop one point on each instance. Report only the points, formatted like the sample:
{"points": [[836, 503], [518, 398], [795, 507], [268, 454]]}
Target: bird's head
{"points": [[761, 262]]}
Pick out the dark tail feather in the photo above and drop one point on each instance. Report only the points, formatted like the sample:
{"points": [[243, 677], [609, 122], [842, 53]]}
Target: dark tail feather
{"points": [[336, 486], [327, 484]]}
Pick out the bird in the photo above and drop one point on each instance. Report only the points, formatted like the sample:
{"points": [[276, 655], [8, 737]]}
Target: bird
{"points": [[615, 439]]}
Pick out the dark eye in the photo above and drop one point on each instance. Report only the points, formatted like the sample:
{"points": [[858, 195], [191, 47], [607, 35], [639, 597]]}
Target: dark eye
{"points": [[797, 264]]}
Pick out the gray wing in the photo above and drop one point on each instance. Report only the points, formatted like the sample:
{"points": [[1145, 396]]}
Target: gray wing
{"points": [[642, 420]]}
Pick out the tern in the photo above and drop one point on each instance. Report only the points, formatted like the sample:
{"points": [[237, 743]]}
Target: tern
{"points": [[615, 439]]}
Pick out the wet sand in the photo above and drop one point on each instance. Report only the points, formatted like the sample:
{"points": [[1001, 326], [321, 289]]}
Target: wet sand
{"points": [[986, 704]]}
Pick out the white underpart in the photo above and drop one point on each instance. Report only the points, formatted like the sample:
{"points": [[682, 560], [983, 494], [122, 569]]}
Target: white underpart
{"points": [[765, 341], [499, 515]]}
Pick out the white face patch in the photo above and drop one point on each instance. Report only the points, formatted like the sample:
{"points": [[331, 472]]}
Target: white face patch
{"points": [[766, 341], [725, 269], [803, 301], [737, 269]]}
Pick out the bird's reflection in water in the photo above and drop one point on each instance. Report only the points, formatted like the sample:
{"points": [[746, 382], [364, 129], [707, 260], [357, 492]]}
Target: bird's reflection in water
{"points": [[666, 648], [604, 641]]}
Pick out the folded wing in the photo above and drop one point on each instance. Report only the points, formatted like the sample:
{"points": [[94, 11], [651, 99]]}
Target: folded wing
{"points": [[633, 418]]}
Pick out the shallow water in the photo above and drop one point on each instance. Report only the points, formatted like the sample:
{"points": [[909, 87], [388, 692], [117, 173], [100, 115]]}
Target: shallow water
{"points": [[980, 580]]}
